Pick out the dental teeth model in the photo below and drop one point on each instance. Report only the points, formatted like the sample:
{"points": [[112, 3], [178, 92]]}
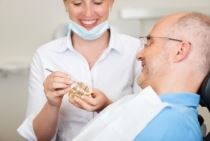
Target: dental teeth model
{"points": [[79, 89]]}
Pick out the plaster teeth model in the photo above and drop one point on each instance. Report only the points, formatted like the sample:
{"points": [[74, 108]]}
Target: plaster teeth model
{"points": [[79, 89]]}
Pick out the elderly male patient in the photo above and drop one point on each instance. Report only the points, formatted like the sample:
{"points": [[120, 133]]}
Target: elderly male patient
{"points": [[175, 60]]}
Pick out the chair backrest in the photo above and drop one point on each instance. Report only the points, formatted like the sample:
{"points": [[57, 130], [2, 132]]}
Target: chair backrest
{"points": [[204, 92]]}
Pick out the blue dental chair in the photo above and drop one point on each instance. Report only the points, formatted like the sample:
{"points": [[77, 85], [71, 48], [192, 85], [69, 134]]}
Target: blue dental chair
{"points": [[204, 92]]}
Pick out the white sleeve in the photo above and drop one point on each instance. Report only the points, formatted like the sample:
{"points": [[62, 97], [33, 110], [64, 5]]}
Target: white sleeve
{"points": [[26, 129], [36, 98]]}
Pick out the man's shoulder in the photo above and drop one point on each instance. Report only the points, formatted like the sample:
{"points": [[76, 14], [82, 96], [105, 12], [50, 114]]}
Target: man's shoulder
{"points": [[171, 116], [170, 124]]}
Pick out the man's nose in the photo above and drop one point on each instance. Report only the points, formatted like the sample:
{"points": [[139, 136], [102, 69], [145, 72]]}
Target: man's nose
{"points": [[139, 55]]}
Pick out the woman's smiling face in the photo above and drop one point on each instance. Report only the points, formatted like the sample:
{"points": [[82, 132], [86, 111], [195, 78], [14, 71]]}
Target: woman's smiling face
{"points": [[88, 13]]}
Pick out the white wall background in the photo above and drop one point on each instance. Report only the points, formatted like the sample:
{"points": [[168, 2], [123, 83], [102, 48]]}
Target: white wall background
{"points": [[27, 24]]}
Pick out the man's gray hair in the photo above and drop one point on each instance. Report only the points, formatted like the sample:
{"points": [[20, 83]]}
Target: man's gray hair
{"points": [[195, 28]]}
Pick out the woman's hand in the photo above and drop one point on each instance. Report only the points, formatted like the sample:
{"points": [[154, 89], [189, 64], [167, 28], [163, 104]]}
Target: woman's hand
{"points": [[96, 102], [56, 85]]}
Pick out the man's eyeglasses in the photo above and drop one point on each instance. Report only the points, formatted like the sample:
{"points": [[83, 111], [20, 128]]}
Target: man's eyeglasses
{"points": [[147, 40]]}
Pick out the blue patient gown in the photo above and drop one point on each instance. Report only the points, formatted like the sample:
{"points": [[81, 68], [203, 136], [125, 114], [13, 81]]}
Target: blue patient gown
{"points": [[179, 122]]}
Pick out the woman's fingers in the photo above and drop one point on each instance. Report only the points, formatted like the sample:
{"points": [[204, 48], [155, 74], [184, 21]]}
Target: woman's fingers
{"points": [[61, 92], [60, 77], [72, 101], [57, 80], [83, 104], [65, 80], [89, 100], [56, 86]]}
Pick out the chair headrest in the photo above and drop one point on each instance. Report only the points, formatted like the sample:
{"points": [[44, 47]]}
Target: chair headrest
{"points": [[204, 92]]}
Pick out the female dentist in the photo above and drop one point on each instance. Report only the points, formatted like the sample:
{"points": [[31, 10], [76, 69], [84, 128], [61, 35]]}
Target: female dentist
{"points": [[92, 53]]}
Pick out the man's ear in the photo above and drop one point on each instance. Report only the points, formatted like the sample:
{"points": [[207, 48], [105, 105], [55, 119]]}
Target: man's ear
{"points": [[182, 51]]}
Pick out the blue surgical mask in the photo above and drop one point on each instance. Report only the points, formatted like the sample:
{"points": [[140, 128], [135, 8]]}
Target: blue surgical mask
{"points": [[92, 34]]}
